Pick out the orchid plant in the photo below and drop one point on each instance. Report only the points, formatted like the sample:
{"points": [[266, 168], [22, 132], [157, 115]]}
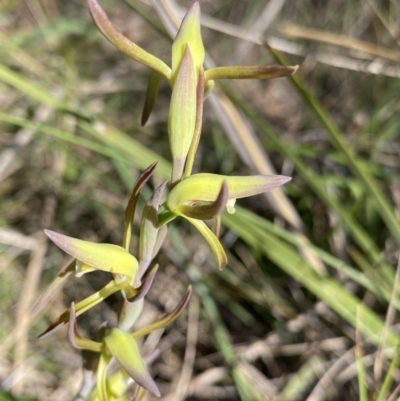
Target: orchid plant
{"points": [[116, 357]]}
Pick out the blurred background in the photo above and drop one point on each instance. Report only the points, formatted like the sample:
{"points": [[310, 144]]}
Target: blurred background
{"points": [[306, 308]]}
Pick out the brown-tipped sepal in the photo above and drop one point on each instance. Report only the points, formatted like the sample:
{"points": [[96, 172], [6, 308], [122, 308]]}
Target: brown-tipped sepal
{"points": [[123, 44], [123, 347], [107, 257], [151, 96], [131, 206], [144, 288], [166, 319]]}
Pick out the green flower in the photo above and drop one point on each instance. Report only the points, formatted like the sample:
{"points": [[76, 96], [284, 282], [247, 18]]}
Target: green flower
{"points": [[204, 196]]}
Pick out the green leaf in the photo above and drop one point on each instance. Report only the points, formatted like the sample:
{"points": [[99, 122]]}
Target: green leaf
{"points": [[323, 287]]}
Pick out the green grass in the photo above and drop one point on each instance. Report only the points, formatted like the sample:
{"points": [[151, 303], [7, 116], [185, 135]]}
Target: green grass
{"points": [[84, 156]]}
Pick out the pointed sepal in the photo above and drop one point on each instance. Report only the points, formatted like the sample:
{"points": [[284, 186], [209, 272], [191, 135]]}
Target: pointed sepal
{"points": [[107, 257], [123, 347], [166, 319], [151, 96], [123, 44], [144, 288], [131, 206]]}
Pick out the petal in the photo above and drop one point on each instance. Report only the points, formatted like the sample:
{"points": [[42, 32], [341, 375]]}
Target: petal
{"points": [[206, 187], [107, 257], [123, 347], [166, 319], [123, 44], [250, 72], [133, 198], [189, 34], [151, 95], [182, 114]]}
